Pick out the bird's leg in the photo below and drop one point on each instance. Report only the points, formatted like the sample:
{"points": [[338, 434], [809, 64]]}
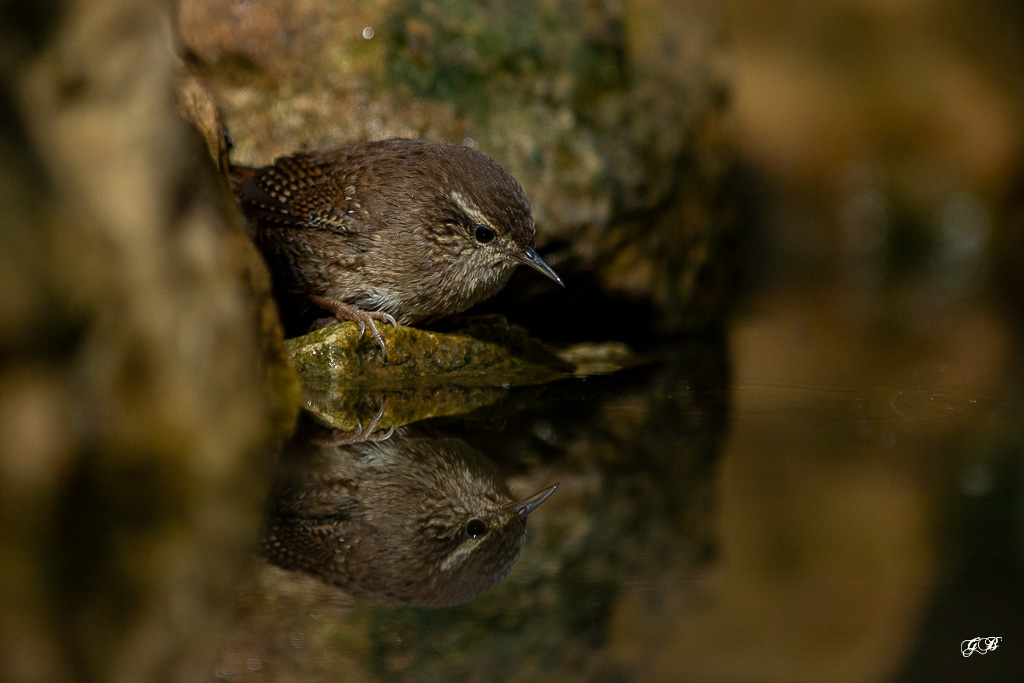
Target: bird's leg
{"points": [[339, 437], [363, 319]]}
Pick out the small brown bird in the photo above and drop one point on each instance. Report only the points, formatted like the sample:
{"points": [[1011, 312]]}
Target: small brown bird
{"points": [[396, 230], [416, 519]]}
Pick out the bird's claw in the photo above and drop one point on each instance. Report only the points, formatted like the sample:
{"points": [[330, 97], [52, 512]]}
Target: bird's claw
{"points": [[366, 319], [340, 437], [361, 318], [377, 337]]}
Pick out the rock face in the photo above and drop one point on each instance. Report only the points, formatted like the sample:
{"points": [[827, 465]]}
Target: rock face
{"points": [[607, 113], [141, 364]]}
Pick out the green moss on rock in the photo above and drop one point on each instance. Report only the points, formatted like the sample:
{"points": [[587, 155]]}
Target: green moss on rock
{"points": [[477, 354]]}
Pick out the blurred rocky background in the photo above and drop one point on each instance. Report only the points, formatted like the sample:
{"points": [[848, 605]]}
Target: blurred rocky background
{"points": [[141, 371], [886, 141], [882, 151]]}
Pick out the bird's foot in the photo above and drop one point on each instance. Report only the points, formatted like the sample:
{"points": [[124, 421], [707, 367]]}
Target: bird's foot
{"points": [[340, 437], [363, 319]]}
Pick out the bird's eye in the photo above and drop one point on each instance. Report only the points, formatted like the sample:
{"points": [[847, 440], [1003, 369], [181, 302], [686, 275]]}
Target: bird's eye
{"points": [[475, 528], [483, 234]]}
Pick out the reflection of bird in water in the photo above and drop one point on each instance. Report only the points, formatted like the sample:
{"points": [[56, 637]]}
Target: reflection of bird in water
{"points": [[416, 519]]}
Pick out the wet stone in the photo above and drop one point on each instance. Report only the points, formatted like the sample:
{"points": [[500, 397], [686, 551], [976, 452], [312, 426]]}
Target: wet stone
{"points": [[483, 355]]}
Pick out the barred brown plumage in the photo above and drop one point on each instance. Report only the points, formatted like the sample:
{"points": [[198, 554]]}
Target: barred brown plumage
{"points": [[396, 230]]}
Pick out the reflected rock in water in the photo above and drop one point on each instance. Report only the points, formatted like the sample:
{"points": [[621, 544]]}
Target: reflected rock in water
{"points": [[352, 408], [414, 519], [628, 544]]}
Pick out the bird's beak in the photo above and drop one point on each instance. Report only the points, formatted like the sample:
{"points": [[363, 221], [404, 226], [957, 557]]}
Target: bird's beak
{"points": [[525, 507], [531, 258]]}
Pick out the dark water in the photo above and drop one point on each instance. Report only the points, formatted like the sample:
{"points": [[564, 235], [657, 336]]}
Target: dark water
{"points": [[821, 494]]}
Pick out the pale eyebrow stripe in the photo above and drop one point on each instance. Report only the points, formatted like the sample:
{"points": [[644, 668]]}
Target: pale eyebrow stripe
{"points": [[458, 556], [471, 210]]}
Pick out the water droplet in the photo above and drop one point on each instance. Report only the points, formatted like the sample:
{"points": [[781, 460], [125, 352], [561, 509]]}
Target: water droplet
{"points": [[368, 33]]}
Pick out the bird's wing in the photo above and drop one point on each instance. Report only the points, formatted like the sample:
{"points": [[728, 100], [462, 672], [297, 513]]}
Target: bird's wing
{"points": [[306, 533], [297, 191], [302, 543], [329, 497]]}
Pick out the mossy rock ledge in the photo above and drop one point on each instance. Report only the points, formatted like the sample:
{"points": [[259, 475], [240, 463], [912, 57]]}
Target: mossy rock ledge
{"points": [[477, 354]]}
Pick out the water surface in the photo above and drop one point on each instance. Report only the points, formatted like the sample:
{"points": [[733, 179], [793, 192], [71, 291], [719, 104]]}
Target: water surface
{"points": [[814, 497]]}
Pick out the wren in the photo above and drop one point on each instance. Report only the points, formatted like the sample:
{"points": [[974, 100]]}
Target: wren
{"points": [[416, 519], [397, 230]]}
